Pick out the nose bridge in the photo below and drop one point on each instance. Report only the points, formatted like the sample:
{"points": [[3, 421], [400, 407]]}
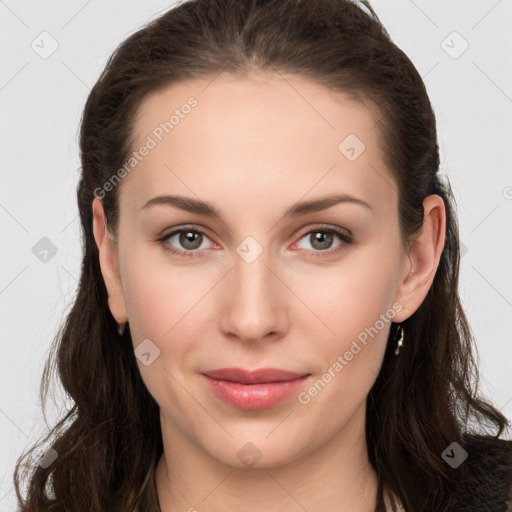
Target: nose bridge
{"points": [[253, 306]]}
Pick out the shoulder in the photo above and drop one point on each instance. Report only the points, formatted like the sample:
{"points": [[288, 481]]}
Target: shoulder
{"points": [[487, 484]]}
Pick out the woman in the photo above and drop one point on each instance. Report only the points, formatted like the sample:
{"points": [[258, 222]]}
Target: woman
{"points": [[268, 314]]}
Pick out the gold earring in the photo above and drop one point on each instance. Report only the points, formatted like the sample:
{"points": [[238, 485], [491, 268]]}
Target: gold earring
{"points": [[400, 341]]}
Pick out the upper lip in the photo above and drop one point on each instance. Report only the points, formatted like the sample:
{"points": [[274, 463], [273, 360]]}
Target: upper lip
{"points": [[257, 376]]}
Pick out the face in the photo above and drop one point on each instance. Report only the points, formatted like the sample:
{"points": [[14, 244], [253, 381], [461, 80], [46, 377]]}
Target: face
{"points": [[312, 291]]}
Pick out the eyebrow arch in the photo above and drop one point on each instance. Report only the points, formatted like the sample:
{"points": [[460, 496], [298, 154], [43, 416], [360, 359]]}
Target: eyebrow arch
{"points": [[302, 208]]}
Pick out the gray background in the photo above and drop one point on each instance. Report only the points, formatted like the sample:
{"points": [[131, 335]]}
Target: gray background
{"points": [[42, 99]]}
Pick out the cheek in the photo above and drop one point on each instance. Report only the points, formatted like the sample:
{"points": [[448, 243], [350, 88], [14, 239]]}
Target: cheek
{"points": [[350, 357], [165, 304], [346, 300], [355, 306], [158, 294], [160, 308]]}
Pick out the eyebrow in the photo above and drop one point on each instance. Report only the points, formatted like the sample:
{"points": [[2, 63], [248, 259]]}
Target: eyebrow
{"points": [[302, 208]]}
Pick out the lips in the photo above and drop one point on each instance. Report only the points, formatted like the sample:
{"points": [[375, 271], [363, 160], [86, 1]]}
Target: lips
{"points": [[261, 376], [254, 389]]}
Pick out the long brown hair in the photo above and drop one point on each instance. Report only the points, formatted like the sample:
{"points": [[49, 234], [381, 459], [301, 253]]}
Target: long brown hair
{"points": [[109, 442]]}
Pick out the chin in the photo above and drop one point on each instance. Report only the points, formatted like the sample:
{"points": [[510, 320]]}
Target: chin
{"points": [[257, 451]]}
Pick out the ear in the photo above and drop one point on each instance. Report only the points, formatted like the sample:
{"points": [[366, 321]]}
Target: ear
{"points": [[109, 264], [424, 255]]}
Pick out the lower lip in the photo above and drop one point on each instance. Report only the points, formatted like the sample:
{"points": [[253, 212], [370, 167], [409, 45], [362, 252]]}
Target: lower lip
{"points": [[254, 396]]}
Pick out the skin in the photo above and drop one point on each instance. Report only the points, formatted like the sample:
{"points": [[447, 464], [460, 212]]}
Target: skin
{"points": [[254, 147]]}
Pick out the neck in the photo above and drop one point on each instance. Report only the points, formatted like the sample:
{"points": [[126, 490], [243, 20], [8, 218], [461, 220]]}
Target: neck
{"points": [[335, 476]]}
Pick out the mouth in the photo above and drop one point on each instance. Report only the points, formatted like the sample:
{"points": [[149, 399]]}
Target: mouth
{"points": [[254, 389]]}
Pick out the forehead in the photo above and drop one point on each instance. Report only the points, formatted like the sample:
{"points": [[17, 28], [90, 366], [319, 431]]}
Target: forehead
{"points": [[261, 134]]}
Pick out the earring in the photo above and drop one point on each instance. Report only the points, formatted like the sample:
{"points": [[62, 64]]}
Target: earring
{"points": [[400, 341], [121, 328]]}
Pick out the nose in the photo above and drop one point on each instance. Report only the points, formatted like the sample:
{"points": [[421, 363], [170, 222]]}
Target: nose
{"points": [[253, 301]]}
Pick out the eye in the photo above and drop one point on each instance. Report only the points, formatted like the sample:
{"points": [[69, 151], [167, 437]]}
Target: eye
{"points": [[190, 239], [321, 239]]}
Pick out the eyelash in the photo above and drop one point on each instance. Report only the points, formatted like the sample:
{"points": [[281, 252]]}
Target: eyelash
{"points": [[346, 238]]}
